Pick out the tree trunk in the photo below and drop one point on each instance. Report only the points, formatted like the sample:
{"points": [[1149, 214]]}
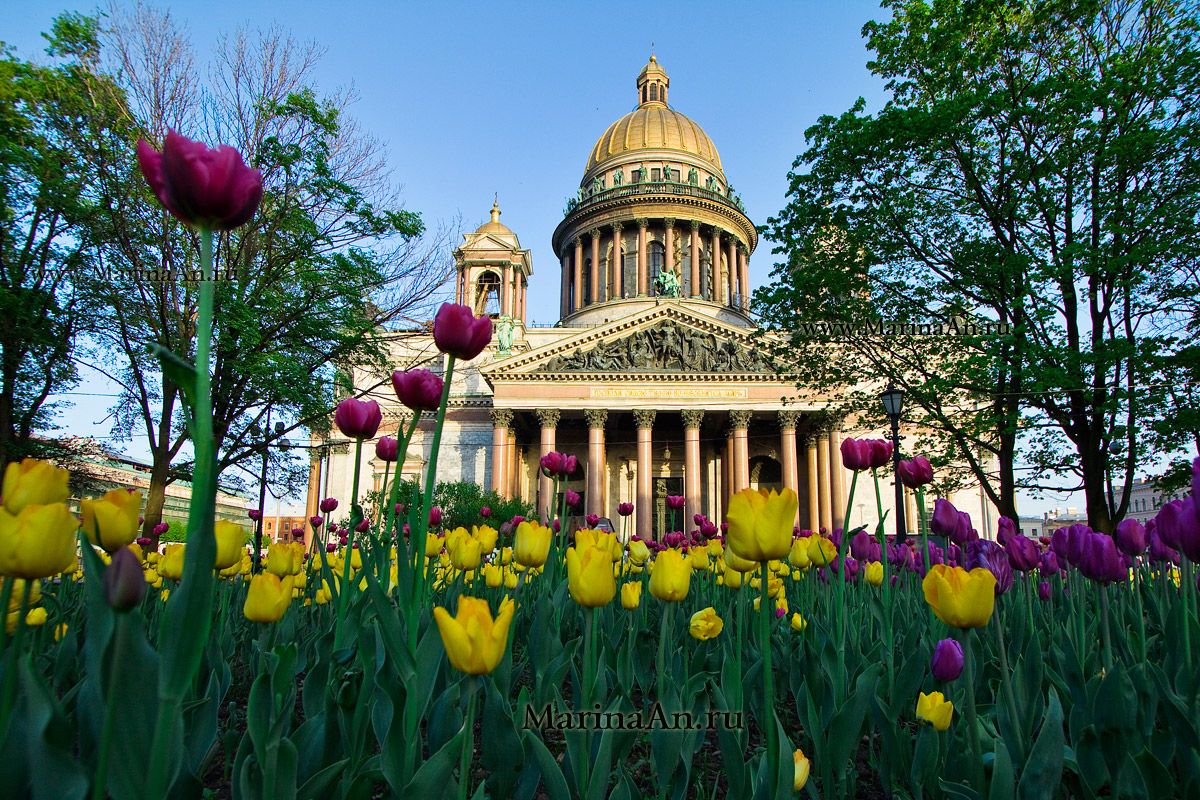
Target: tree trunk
{"points": [[156, 496]]}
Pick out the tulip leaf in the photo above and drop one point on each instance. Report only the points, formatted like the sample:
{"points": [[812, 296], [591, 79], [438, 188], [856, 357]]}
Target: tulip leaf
{"points": [[1003, 784], [552, 777], [504, 753], [1042, 772], [41, 739], [317, 787], [433, 778], [177, 369], [844, 729]]}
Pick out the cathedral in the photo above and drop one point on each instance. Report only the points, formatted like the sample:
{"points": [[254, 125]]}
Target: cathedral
{"points": [[652, 375]]}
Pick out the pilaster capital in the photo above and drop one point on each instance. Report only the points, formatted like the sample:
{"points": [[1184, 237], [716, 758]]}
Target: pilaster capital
{"points": [[595, 234], [694, 224], [643, 223], [788, 418], [502, 417], [669, 222], [616, 228], [596, 417], [644, 417], [577, 241], [740, 418], [549, 417], [692, 417]]}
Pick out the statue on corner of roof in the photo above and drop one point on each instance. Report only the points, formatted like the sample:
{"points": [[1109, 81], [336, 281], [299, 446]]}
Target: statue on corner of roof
{"points": [[667, 284], [504, 334]]}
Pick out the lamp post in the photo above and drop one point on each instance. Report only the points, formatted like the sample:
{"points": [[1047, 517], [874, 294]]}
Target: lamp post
{"points": [[893, 403], [262, 492]]}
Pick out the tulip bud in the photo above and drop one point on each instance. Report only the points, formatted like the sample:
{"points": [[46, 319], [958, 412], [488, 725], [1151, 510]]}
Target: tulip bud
{"points": [[916, 472], [485, 512], [592, 520], [947, 662], [329, 504], [435, 516], [363, 525], [1044, 591], [573, 499], [625, 509], [458, 332], [387, 449], [124, 584], [201, 187], [254, 514], [675, 502], [1131, 537], [418, 389], [358, 419]]}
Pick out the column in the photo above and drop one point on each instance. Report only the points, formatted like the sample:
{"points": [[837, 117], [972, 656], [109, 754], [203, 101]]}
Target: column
{"points": [[549, 418], [810, 477], [564, 301], [727, 473], [837, 510], [731, 258], [669, 256], [501, 419], [642, 266], [596, 418], [692, 418], [313, 503], [506, 292], [513, 468], [823, 480], [740, 420], [714, 280], [618, 263], [594, 277], [787, 450], [644, 506], [577, 282], [744, 275], [694, 253]]}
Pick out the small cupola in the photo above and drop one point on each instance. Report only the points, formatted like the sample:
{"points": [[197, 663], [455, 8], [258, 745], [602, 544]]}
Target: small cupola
{"points": [[652, 84]]}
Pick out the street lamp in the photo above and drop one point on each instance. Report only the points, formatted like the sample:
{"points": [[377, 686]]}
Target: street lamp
{"points": [[893, 402]]}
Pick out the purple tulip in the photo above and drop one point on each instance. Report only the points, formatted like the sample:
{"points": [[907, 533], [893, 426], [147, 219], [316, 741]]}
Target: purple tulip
{"points": [[675, 502], [860, 545], [516, 520], [856, 454], [124, 583], [570, 465], [316, 521], [358, 419], [331, 548], [485, 512], [992, 557], [1044, 590], [201, 187], [947, 662], [1049, 565], [1131, 537], [457, 331], [1077, 539], [573, 499], [254, 514], [944, 521], [163, 527], [1006, 530], [144, 541], [329, 504], [387, 449], [363, 526], [625, 509], [297, 532], [673, 539], [435, 516], [1159, 551], [1101, 562], [915, 472], [1188, 529], [1058, 542], [879, 452], [592, 520], [1196, 487], [1023, 554], [418, 389]]}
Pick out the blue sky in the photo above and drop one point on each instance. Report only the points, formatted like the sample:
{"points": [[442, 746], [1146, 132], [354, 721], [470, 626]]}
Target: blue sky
{"points": [[476, 99]]}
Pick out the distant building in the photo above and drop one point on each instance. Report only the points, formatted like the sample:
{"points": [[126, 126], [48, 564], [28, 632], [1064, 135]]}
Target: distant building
{"points": [[1032, 527], [1063, 518], [275, 527], [1145, 500]]}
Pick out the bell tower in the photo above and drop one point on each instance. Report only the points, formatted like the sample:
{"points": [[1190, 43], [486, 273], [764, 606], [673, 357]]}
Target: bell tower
{"points": [[492, 276]]}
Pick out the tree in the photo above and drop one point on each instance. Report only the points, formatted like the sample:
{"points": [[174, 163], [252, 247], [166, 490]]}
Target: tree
{"points": [[330, 260], [1035, 167]]}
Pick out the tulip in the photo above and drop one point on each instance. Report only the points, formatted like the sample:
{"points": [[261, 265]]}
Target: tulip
{"points": [[112, 520], [1131, 537], [798, 555], [435, 516], [803, 767], [457, 331], [1044, 591], [553, 464], [592, 520], [1101, 561], [945, 520], [254, 514], [590, 576], [856, 454], [760, 523], [317, 521], [625, 509], [33, 482], [268, 598], [124, 584], [329, 505], [573, 499], [1023, 554], [231, 541], [675, 502], [493, 576], [358, 419], [916, 472], [1049, 565], [418, 389], [935, 709], [670, 576], [1159, 551], [1188, 528], [531, 545], [873, 573], [631, 595], [798, 623], [821, 551], [474, 641], [466, 553], [639, 552], [879, 452], [387, 449], [947, 662], [281, 560], [959, 598], [202, 187], [705, 624], [37, 542], [992, 557], [170, 565]]}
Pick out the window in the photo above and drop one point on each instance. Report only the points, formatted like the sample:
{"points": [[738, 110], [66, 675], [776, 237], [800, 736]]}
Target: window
{"points": [[587, 281], [487, 294], [656, 175], [654, 91], [654, 258]]}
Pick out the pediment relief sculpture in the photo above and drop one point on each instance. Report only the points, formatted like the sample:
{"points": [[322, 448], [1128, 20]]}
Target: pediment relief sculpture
{"points": [[667, 347]]}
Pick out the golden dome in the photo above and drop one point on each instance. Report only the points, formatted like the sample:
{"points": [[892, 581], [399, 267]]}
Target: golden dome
{"points": [[654, 125], [494, 225]]}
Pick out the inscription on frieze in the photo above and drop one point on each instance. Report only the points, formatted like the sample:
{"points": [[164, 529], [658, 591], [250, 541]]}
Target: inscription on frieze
{"points": [[668, 347]]}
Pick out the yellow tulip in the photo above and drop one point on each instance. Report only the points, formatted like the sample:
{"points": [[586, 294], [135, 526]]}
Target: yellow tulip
{"points": [[734, 561], [803, 767], [324, 594], [873, 573], [589, 537], [60, 630], [281, 560], [433, 545], [798, 555], [170, 566], [639, 552], [959, 598], [474, 642], [715, 548], [935, 709], [268, 597], [799, 623], [631, 595], [821, 551], [355, 558], [760, 523], [493, 576], [37, 542], [112, 520], [590, 575], [531, 544], [670, 576], [705, 624], [231, 543], [486, 535], [734, 578], [466, 553], [699, 558], [510, 579], [33, 483], [35, 617], [506, 556]]}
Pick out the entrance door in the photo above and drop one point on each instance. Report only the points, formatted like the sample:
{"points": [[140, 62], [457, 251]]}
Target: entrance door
{"points": [[666, 519]]}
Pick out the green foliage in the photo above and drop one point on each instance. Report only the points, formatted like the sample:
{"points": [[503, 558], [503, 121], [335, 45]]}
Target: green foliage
{"points": [[461, 502]]}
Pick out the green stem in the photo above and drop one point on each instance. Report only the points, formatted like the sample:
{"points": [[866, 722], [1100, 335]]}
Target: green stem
{"points": [[1018, 754], [8, 696], [840, 686], [468, 749], [346, 589], [1105, 632], [766, 610], [115, 671], [418, 535], [976, 757]]}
